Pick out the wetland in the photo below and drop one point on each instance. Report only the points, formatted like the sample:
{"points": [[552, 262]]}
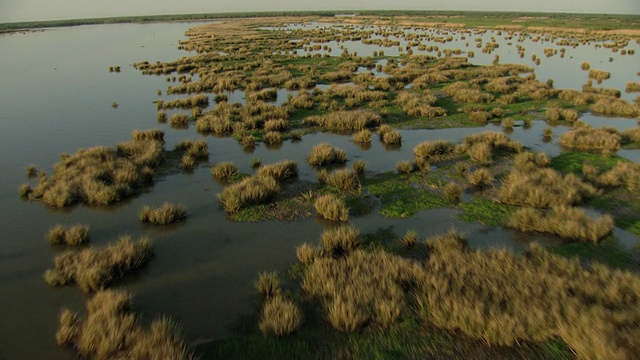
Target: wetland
{"points": [[237, 188]]}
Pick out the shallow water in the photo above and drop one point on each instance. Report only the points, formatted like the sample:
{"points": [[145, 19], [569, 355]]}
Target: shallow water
{"points": [[57, 97]]}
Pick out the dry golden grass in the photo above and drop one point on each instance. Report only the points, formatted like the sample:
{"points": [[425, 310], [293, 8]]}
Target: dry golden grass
{"points": [[554, 113], [528, 161], [410, 239], [405, 167], [74, 235], [101, 175], [632, 86], [480, 178], [452, 193], [541, 188], [332, 208], [280, 317], [587, 138], [342, 179], [251, 190], [307, 253], [567, 222], [95, 268], [345, 120], [210, 123], [392, 137], [341, 240], [273, 138], [599, 75], [434, 150], [166, 214], [224, 171], [362, 137], [626, 174], [359, 167], [325, 154], [268, 285], [276, 125], [179, 119], [609, 106], [111, 330], [281, 171], [504, 298], [358, 289]]}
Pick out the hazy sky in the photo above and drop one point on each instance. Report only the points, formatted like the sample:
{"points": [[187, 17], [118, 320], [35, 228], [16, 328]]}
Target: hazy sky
{"points": [[25, 10]]}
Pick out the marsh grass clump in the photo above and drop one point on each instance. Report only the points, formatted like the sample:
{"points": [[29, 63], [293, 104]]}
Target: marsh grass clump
{"points": [[405, 167], [359, 167], [410, 239], [434, 150], [609, 106], [111, 330], [280, 171], [543, 187], [276, 125], [555, 113], [587, 138], [194, 152], [632, 86], [268, 285], [359, 289], [487, 295], [567, 222], [325, 154], [362, 137], [307, 253], [273, 138], [332, 208], [599, 75], [547, 134], [164, 215], [626, 174], [342, 179], [480, 178], [341, 240], [101, 175], [224, 171], [24, 190], [280, 317], [162, 117], [74, 235], [452, 193], [31, 171], [249, 191], [179, 119], [528, 161], [215, 124], [94, 269], [392, 137], [345, 120], [508, 123]]}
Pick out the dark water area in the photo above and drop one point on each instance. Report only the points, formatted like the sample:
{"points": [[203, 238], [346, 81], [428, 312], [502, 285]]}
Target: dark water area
{"points": [[56, 97]]}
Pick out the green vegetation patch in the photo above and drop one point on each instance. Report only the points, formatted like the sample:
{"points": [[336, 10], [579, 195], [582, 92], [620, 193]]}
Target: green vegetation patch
{"points": [[607, 252], [623, 205], [572, 162], [401, 196], [487, 212]]}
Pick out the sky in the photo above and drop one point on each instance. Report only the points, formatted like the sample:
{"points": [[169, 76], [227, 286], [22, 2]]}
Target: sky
{"points": [[31, 10]]}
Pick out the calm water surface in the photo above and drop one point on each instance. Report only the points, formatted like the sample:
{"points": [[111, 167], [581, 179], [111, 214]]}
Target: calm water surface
{"points": [[56, 97]]}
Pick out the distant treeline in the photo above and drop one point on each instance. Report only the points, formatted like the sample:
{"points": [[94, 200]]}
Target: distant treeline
{"points": [[469, 18]]}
